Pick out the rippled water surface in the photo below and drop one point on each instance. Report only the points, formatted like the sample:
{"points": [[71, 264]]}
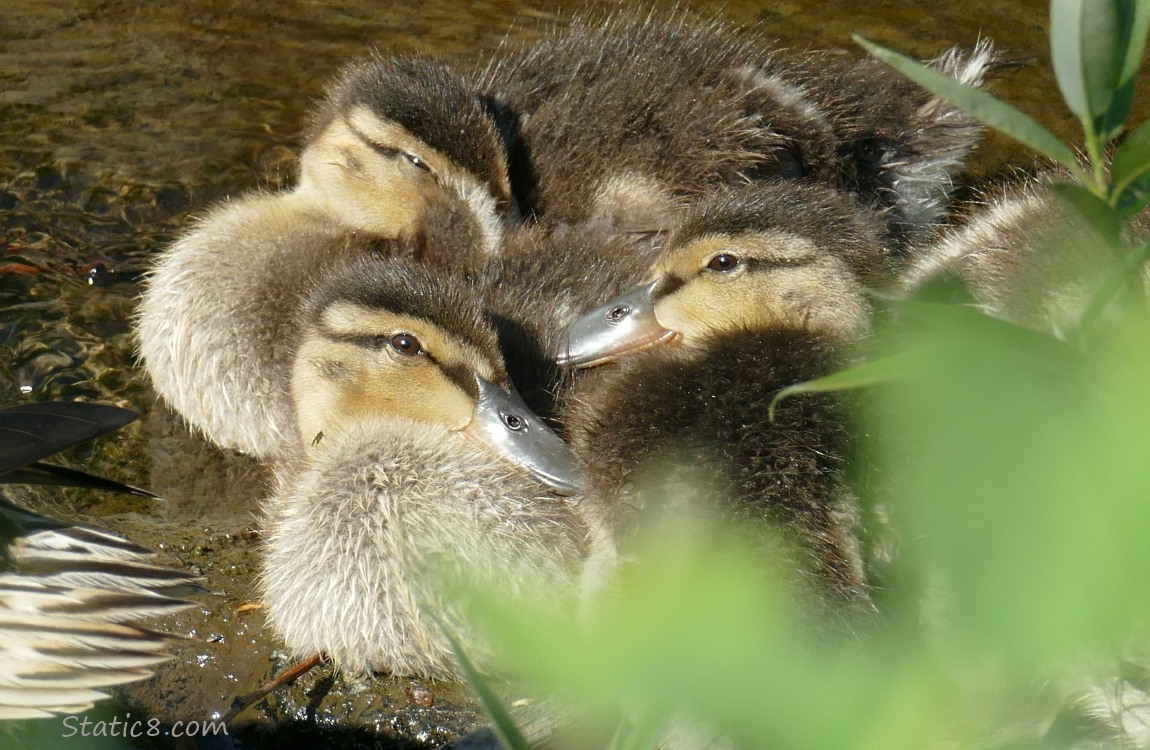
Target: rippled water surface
{"points": [[120, 121]]}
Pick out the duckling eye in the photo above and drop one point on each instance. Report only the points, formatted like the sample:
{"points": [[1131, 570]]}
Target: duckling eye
{"points": [[723, 262], [406, 344], [416, 162]]}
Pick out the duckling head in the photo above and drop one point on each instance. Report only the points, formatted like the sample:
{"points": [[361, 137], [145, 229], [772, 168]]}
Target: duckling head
{"points": [[788, 257], [392, 340], [395, 138]]}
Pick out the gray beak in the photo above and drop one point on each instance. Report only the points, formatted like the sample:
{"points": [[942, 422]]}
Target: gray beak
{"points": [[505, 423], [624, 324]]}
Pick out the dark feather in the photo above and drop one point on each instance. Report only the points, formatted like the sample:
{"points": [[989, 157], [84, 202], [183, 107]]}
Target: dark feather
{"points": [[31, 432]]}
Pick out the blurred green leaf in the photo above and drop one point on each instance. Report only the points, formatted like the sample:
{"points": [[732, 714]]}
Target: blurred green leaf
{"points": [[1022, 490], [986, 108], [700, 628], [1130, 172], [501, 722], [1134, 18], [868, 373], [1128, 274], [1086, 49]]}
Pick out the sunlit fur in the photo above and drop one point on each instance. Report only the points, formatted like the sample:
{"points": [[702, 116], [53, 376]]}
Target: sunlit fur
{"points": [[699, 401], [367, 533], [218, 319], [396, 136], [398, 146], [657, 108], [664, 108], [1022, 257], [387, 504], [900, 148]]}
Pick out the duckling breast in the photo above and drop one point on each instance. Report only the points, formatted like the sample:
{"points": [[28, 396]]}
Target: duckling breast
{"points": [[371, 533]]}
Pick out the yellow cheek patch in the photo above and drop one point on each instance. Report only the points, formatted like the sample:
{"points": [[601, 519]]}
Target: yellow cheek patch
{"points": [[781, 279], [346, 370]]}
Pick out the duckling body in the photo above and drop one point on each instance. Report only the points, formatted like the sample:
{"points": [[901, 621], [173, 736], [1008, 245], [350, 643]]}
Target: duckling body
{"points": [[368, 530], [1022, 258], [611, 130], [415, 470], [624, 119], [399, 145], [756, 291]]}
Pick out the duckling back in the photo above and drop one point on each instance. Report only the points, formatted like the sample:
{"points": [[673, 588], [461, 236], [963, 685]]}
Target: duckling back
{"points": [[604, 117], [610, 131], [1022, 258]]}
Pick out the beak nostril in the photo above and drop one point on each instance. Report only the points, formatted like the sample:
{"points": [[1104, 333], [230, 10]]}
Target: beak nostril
{"points": [[618, 312], [514, 422]]}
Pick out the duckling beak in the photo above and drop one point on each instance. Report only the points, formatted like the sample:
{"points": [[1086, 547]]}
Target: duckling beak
{"points": [[504, 422], [624, 324]]}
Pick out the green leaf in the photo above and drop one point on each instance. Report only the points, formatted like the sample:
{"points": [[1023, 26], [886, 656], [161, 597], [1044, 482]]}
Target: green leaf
{"points": [[1129, 271], [1130, 172], [1086, 48], [1017, 466], [870, 373], [1135, 21], [501, 722], [981, 105], [1092, 214]]}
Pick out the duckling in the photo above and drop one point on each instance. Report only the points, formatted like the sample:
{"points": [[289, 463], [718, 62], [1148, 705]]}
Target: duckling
{"points": [[610, 132], [900, 148], [758, 289], [1022, 258], [399, 144], [70, 596], [396, 135], [414, 463]]}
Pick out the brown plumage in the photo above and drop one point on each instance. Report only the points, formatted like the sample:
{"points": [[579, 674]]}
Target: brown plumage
{"points": [[622, 119], [1022, 257]]}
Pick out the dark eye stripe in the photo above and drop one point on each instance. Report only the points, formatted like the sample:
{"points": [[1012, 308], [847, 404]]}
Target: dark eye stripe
{"points": [[389, 152], [667, 285]]}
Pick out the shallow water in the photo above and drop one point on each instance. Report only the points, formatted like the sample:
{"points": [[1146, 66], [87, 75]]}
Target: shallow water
{"points": [[120, 121]]}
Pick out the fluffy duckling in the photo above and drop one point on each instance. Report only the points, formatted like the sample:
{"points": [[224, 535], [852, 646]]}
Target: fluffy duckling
{"points": [[417, 469], [71, 596], [393, 138], [398, 145], [610, 132], [755, 291], [1023, 259], [899, 147]]}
